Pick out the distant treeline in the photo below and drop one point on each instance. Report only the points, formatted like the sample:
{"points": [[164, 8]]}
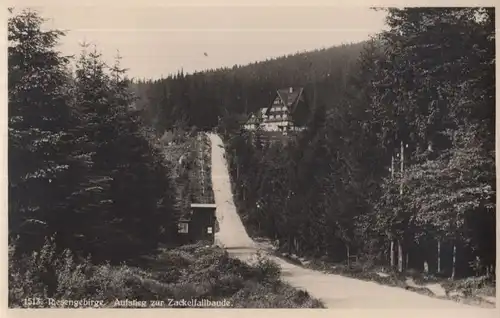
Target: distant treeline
{"points": [[202, 99]]}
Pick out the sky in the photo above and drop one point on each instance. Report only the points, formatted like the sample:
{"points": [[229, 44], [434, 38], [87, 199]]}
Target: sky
{"points": [[156, 40]]}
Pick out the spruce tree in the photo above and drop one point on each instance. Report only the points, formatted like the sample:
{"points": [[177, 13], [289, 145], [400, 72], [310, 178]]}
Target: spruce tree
{"points": [[42, 169]]}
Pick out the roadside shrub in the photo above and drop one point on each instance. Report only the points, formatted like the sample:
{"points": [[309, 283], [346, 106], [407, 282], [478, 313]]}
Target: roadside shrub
{"points": [[470, 285], [266, 270], [228, 284], [71, 277], [108, 282], [45, 274], [177, 258]]}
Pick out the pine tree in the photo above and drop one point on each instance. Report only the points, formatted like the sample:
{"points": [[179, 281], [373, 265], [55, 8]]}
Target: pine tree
{"points": [[41, 166], [131, 209]]}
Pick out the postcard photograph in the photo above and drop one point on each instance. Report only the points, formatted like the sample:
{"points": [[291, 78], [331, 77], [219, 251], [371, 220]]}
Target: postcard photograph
{"points": [[251, 156]]}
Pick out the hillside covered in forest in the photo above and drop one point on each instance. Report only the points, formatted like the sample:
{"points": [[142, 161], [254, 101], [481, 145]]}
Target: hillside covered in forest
{"points": [[200, 99]]}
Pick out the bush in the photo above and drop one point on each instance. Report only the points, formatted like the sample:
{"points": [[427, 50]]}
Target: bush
{"points": [[267, 270], [255, 295], [191, 271], [470, 285]]}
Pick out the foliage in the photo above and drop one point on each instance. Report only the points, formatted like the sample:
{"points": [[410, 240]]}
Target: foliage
{"points": [[193, 271], [40, 137]]}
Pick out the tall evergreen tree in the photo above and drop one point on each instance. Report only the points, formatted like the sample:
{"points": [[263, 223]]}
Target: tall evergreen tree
{"points": [[41, 167]]}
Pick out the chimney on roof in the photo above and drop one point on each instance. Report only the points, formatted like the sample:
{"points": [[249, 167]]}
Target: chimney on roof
{"points": [[291, 89]]}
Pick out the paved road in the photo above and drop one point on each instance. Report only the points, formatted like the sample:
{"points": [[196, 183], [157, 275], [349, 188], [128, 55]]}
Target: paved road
{"points": [[334, 290]]}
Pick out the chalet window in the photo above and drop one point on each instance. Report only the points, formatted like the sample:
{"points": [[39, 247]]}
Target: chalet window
{"points": [[209, 230], [278, 116], [183, 227], [272, 116]]}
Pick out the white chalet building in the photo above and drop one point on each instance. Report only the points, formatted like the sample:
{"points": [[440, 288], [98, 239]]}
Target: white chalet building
{"points": [[286, 113]]}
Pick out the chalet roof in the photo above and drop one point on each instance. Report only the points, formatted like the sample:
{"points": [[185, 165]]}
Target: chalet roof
{"points": [[263, 111], [287, 98], [253, 118], [290, 99]]}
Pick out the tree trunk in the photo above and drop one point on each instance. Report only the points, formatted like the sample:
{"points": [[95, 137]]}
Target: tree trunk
{"points": [[402, 168], [439, 257], [392, 167], [407, 254], [453, 270], [400, 246], [348, 255], [400, 256], [392, 255]]}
